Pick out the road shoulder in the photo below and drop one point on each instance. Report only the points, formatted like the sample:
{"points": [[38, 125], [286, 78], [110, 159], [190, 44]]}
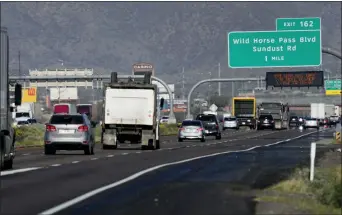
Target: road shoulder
{"points": [[297, 195]]}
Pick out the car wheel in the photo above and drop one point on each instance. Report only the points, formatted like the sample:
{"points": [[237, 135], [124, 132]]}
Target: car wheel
{"points": [[87, 151], [49, 151], [202, 139], [180, 140]]}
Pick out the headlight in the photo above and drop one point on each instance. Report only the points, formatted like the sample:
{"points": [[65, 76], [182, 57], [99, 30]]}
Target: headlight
{"points": [[248, 120]]}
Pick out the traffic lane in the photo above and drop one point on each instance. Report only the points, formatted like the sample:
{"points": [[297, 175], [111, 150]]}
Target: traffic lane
{"points": [[169, 139], [38, 150], [213, 185], [63, 157], [54, 185]]}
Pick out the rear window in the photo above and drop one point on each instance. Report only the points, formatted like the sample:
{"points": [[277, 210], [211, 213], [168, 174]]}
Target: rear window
{"points": [[229, 119], [66, 119], [191, 123], [206, 118], [61, 109], [83, 109], [266, 117]]}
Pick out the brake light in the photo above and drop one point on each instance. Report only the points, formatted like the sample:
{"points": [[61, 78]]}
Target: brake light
{"points": [[181, 129], [83, 128], [217, 126], [199, 129], [50, 128]]}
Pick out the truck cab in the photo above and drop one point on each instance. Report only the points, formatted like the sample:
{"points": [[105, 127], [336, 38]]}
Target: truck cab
{"points": [[244, 109]]}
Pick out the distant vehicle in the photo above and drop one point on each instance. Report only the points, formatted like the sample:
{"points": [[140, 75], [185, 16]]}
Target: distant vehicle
{"points": [[69, 132], [230, 123], [211, 125], [326, 122], [64, 108], [311, 123], [334, 120], [266, 121], [85, 109], [164, 119], [32, 121], [294, 122], [191, 129], [244, 109], [22, 123]]}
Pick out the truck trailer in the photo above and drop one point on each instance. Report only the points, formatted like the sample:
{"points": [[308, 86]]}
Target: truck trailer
{"points": [[279, 112], [7, 133], [130, 113]]}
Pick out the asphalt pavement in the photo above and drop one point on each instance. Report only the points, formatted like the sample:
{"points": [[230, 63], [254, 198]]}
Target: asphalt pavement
{"points": [[66, 176]]}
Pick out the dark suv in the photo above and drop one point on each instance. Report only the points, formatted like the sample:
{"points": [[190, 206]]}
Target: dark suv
{"points": [[265, 121], [294, 121], [211, 125]]}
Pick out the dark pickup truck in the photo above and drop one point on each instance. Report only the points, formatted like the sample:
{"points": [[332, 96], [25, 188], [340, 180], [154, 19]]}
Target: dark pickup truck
{"points": [[211, 125]]}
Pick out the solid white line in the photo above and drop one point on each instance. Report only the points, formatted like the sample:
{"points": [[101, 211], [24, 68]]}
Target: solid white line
{"points": [[143, 172], [10, 172], [75, 162], [55, 165]]}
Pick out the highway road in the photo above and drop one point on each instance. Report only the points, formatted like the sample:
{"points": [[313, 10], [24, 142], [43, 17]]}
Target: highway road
{"points": [[193, 187]]}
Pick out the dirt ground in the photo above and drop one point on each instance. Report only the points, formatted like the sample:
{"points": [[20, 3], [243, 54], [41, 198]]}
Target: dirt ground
{"points": [[273, 202]]}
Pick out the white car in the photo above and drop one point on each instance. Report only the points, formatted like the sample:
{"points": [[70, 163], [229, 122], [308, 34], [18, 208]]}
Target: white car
{"points": [[311, 123], [164, 119], [230, 123]]}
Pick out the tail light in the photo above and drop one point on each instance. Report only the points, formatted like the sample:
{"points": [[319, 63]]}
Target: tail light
{"points": [[83, 128], [199, 129], [325, 121], [217, 126], [181, 129], [50, 128]]}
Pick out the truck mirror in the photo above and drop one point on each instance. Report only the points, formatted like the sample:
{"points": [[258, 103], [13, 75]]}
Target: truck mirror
{"points": [[161, 103], [17, 94], [114, 77]]}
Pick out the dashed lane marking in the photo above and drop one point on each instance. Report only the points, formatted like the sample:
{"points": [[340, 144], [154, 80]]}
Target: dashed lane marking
{"points": [[92, 193], [75, 162], [55, 165]]}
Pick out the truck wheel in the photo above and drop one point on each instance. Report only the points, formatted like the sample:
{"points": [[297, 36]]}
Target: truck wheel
{"points": [[8, 164], [180, 140]]}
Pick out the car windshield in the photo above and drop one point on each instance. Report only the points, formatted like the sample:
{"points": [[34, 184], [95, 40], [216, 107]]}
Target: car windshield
{"points": [[22, 114], [191, 123], [66, 119], [206, 118]]}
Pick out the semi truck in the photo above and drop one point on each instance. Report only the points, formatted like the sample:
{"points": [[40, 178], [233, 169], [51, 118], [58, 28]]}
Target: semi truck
{"points": [[244, 109], [278, 111], [7, 132], [130, 113]]}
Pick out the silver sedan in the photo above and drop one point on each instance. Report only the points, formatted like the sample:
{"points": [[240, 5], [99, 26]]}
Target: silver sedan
{"points": [[191, 130]]}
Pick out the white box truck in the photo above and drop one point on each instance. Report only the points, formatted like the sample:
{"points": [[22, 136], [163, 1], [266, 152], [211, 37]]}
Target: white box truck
{"points": [[7, 133], [130, 113]]}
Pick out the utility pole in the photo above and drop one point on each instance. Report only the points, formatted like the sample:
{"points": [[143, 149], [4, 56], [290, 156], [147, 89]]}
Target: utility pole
{"points": [[219, 76], [183, 84], [19, 66]]}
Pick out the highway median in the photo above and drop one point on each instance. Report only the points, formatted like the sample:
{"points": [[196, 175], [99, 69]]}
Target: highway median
{"points": [[33, 135]]}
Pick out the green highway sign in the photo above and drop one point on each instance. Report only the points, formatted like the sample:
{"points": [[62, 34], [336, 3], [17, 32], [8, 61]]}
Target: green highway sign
{"points": [[333, 84], [298, 24], [260, 49]]}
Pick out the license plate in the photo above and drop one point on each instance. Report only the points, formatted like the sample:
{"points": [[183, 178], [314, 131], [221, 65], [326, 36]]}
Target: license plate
{"points": [[62, 131]]}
